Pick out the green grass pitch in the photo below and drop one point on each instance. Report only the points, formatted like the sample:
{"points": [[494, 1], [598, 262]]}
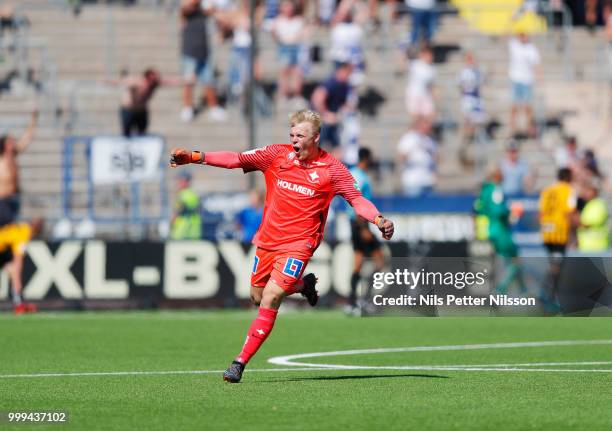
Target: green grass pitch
{"points": [[571, 389]]}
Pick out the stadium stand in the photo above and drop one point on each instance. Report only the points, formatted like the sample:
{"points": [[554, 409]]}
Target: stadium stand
{"points": [[69, 57]]}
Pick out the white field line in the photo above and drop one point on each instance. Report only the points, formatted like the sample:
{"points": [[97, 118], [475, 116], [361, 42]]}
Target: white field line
{"points": [[296, 366], [289, 360], [537, 364], [148, 373], [340, 368]]}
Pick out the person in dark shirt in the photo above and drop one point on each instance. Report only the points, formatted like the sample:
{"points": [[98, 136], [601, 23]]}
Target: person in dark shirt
{"points": [[331, 98]]}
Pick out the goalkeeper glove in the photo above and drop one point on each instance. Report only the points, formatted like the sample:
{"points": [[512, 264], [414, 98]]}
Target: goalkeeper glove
{"points": [[180, 156]]}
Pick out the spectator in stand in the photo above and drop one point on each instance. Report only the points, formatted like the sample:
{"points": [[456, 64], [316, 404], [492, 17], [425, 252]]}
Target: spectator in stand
{"points": [[325, 11], [347, 39], [517, 179], [196, 61], [138, 91], [590, 15], [271, 8], [423, 21], [589, 164], [523, 68], [10, 200], [240, 55], [223, 12], [186, 221], [418, 156], [567, 156], [290, 31], [7, 19], [419, 92], [332, 99], [249, 218], [471, 80]]}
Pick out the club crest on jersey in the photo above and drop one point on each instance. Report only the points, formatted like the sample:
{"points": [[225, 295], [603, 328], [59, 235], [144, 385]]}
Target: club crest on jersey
{"points": [[293, 267], [313, 177]]}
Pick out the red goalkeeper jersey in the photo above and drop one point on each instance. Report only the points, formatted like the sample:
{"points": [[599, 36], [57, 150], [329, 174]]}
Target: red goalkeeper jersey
{"points": [[298, 195]]}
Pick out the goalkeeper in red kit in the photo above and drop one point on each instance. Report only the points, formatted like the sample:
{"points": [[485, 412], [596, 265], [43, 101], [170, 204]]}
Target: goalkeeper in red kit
{"points": [[301, 180]]}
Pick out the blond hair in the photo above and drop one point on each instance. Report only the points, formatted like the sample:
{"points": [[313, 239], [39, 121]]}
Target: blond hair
{"points": [[306, 116]]}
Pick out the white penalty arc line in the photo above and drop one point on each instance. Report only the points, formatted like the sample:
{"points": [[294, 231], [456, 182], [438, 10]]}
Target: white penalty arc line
{"points": [[290, 360]]}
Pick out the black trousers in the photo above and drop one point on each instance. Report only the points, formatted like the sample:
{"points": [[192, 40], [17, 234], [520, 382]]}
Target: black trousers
{"points": [[134, 122]]}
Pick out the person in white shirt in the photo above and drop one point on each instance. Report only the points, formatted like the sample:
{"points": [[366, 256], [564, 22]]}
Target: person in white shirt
{"points": [[240, 55], [346, 38], [418, 154], [522, 69], [289, 29], [568, 155], [419, 91], [470, 81]]}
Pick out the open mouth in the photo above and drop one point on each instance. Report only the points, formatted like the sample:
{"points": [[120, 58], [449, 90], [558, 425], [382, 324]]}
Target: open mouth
{"points": [[296, 149]]}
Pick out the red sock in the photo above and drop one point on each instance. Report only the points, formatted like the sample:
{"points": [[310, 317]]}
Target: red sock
{"points": [[258, 332]]}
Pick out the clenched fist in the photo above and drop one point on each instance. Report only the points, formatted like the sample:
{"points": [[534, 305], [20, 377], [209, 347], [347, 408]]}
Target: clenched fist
{"points": [[386, 227], [179, 156]]}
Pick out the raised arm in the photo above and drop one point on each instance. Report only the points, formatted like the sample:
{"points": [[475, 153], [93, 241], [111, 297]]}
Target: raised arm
{"points": [[258, 159], [26, 138], [221, 159]]}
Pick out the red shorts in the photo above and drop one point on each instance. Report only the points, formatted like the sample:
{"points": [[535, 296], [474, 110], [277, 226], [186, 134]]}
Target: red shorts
{"points": [[284, 267]]}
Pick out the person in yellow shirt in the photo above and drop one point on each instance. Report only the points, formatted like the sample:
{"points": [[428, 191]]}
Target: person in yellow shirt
{"points": [[186, 222], [557, 209], [13, 239], [593, 232], [557, 205]]}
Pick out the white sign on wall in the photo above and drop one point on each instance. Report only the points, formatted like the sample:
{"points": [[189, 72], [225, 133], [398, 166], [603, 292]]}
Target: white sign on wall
{"points": [[115, 159]]}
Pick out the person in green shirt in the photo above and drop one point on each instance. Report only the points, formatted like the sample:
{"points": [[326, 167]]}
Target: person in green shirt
{"points": [[186, 221], [593, 232], [494, 214]]}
